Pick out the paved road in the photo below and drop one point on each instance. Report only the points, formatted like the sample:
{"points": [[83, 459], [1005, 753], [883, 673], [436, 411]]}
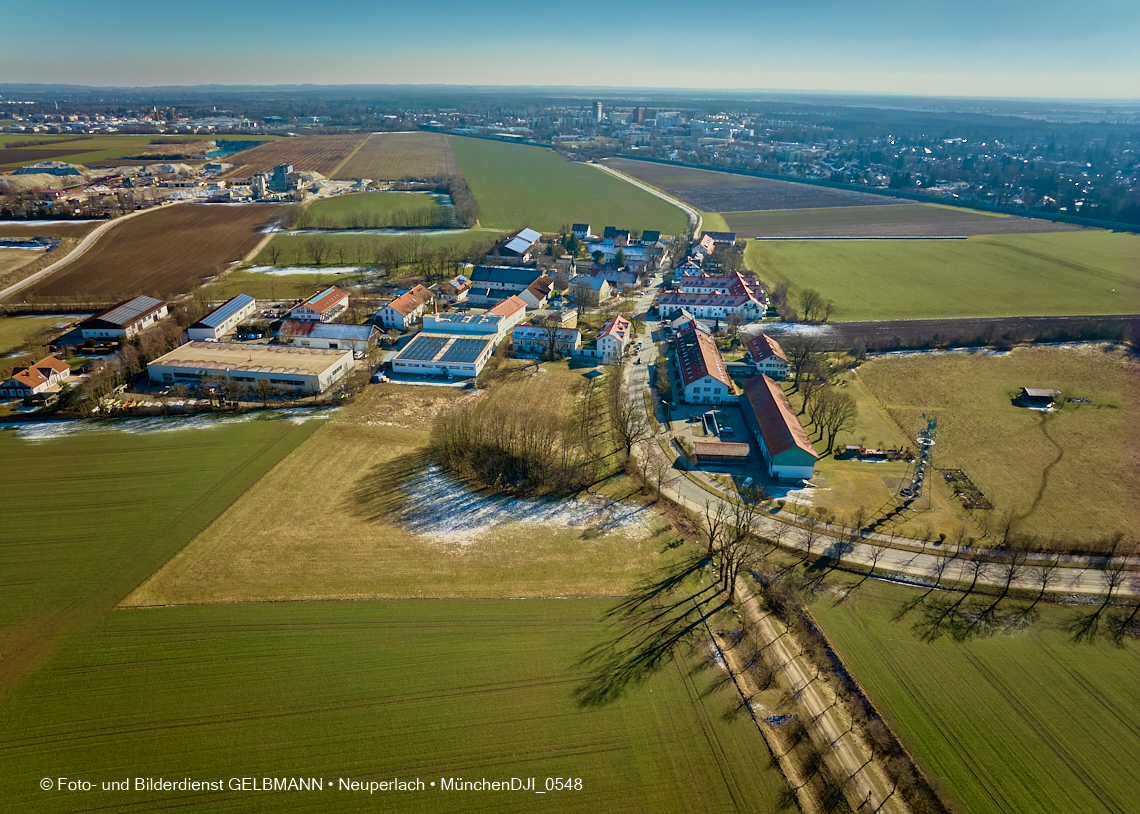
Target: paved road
{"points": [[695, 219], [83, 246], [1077, 574]]}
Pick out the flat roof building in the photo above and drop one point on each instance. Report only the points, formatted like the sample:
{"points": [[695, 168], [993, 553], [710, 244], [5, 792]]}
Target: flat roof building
{"points": [[453, 355], [307, 369]]}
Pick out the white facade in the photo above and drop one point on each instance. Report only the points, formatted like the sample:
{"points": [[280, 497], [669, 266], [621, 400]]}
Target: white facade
{"points": [[223, 320], [707, 390], [536, 339]]}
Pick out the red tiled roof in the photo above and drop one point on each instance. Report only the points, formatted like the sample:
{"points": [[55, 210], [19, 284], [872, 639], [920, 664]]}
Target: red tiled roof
{"points": [[774, 415], [762, 346], [724, 449], [698, 356], [508, 307], [324, 300], [618, 327], [51, 362], [409, 301]]}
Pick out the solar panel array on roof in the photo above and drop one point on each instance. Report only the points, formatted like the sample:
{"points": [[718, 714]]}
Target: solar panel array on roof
{"points": [[129, 311], [465, 350], [529, 235], [226, 311], [519, 245], [424, 348]]}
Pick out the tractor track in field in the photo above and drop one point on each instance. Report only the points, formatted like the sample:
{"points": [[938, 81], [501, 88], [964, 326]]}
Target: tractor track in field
{"points": [[1112, 709]]}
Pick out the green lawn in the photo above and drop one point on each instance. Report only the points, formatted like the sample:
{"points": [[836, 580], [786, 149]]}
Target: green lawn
{"points": [[987, 276], [20, 332], [519, 185], [105, 147], [364, 209], [1024, 721], [361, 249], [371, 691], [1074, 473], [88, 517]]}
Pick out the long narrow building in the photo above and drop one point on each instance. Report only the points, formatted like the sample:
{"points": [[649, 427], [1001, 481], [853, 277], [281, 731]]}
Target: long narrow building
{"points": [[787, 450]]}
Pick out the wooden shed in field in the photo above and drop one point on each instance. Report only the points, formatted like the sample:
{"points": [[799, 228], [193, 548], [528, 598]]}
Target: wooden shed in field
{"points": [[1037, 397]]}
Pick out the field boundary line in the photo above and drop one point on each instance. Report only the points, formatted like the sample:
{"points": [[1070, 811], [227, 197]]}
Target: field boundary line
{"points": [[695, 218], [350, 156]]}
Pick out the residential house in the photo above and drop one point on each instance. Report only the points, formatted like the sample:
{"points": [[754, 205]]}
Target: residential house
{"points": [[217, 324], [620, 237], [614, 338], [581, 231], [491, 285], [720, 239], [784, 443], [44, 375], [124, 320], [324, 306], [590, 290], [766, 354], [402, 312], [537, 293], [307, 333], [541, 338], [454, 290], [704, 378]]}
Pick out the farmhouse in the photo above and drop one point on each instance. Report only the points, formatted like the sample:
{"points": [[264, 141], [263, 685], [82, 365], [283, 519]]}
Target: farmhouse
{"points": [[704, 378], [720, 453], [403, 311], [454, 290], [581, 231], [614, 338], [126, 319], [787, 450], [40, 377], [451, 355], [216, 325], [767, 355], [324, 306], [544, 338], [537, 293], [517, 247], [306, 333], [310, 370]]}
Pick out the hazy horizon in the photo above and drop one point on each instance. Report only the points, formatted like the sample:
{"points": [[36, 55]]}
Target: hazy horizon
{"points": [[1013, 50]]}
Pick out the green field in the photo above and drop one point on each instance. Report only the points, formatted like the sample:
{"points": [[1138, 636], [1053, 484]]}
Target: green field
{"points": [[88, 517], [363, 209], [1021, 722], [369, 692], [1074, 473], [517, 185], [22, 332], [103, 147], [989, 276]]}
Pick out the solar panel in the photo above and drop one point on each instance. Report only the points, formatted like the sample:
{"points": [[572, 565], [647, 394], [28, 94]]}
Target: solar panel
{"points": [[423, 348], [519, 245], [228, 310], [530, 235], [465, 350]]}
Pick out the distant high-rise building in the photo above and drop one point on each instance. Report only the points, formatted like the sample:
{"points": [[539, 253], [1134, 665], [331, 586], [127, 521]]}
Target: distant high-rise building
{"points": [[598, 112], [638, 116]]}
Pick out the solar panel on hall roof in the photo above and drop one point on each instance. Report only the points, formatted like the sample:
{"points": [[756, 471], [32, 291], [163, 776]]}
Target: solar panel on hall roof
{"points": [[127, 312], [226, 311], [529, 235], [465, 350], [423, 348], [519, 245]]}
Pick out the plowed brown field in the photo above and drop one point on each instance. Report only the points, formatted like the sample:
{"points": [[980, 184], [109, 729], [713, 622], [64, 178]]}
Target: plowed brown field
{"points": [[161, 253], [321, 154], [396, 156], [32, 228]]}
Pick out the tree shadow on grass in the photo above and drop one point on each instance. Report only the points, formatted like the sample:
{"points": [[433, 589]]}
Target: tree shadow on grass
{"points": [[645, 631], [379, 495]]}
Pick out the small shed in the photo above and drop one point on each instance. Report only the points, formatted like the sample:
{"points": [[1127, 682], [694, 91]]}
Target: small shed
{"points": [[1036, 397], [720, 453]]}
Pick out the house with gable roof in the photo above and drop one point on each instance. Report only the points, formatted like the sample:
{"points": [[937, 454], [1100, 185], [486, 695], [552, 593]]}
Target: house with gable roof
{"points": [[44, 375]]}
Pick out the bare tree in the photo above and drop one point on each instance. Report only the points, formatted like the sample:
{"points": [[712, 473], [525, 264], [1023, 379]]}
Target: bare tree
{"points": [[810, 535], [273, 252], [1010, 566], [799, 350], [810, 301], [976, 568], [938, 567], [716, 518], [837, 415], [1045, 574], [659, 472], [876, 552]]}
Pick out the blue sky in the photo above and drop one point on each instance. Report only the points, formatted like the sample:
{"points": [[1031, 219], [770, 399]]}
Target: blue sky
{"points": [[961, 48]]}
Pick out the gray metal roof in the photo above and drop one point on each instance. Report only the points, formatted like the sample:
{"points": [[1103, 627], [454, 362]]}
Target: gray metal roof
{"points": [[225, 312], [127, 312], [529, 235]]}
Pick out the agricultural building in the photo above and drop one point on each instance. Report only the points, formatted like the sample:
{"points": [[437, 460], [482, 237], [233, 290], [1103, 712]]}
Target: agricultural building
{"points": [[512, 311], [125, 320], [720, 453], [403, 311], [324, 306], [539, 338], [310, 370], [45, 374], [216, 325], [784, 443], [451, 355], [304, 333], [704, 378], [493, 284], [1036, 397], [766, 353], [614, 339], [517, 247]]}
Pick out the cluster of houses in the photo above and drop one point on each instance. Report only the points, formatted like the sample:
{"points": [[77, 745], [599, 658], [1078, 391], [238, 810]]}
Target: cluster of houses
{"points": [[720, 297]]}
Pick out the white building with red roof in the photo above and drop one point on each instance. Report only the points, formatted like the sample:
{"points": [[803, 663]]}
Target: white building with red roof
{"points": [[44, 375], [767, 355], [614, 338], [704, 378], [512, 310], [717, 297], [787, 450], [402, 312], [324, 306]]}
